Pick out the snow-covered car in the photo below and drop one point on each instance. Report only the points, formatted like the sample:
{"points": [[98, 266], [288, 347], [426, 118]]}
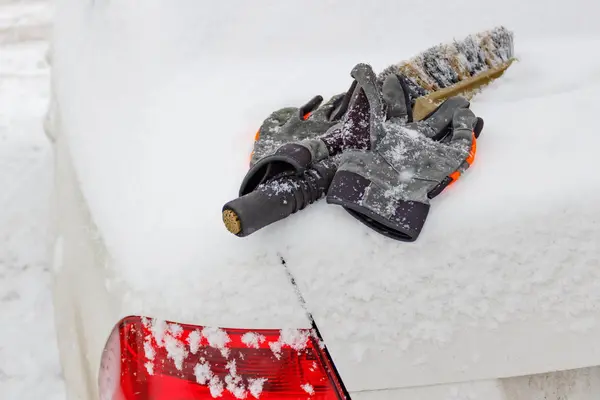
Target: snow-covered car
{"points": [[153, 110]]}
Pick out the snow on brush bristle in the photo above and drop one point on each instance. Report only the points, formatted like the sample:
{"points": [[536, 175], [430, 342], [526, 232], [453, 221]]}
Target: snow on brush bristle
{"points": [[444, 65]]}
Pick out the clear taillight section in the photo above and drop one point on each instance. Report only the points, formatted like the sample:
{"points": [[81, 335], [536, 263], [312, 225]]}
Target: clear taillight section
{"points": [[147, 359]]}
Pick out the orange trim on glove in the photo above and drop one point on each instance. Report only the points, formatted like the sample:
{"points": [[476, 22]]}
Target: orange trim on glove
{"points": [[470, 159]]}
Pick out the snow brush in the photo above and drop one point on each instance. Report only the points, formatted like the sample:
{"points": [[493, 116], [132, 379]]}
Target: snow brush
{"points": [[461, 68], [453, 69]]}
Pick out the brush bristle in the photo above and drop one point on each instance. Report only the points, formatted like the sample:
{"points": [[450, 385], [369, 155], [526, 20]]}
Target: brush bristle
{"points": [[445, 65]]}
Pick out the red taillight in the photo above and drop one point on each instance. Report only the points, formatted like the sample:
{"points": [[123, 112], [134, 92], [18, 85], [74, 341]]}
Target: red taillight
{"points": [[147, 359]]}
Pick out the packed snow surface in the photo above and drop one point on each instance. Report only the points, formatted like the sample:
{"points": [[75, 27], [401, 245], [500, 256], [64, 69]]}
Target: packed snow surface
{"points": [[160, 139], [29, 365]]}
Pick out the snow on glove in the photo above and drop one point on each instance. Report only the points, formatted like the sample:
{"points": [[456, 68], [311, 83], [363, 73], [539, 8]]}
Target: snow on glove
{"points": [[303, 151], [287, 140], [388, 187]]}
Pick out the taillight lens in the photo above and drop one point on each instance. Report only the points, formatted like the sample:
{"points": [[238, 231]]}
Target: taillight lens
{"points": [[148, 359]]}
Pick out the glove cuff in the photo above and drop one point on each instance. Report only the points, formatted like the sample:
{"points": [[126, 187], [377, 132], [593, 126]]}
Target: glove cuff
{"points": [[403, 220], [292, 158]]}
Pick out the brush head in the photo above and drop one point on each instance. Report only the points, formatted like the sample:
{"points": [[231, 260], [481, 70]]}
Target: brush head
{"points": [[458, 68]]}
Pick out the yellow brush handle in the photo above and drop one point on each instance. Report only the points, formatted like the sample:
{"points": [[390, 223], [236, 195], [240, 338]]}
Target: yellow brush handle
{"points": [[467, 88]]}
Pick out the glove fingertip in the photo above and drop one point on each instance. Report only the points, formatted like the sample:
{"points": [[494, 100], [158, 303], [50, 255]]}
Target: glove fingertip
{"points": [[478, 127], [309, 107]]}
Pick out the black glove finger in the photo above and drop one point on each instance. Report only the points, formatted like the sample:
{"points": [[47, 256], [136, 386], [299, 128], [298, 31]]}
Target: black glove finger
{"points": [[465, 124], [308, 108], [328, 111], [396, 98], [478, 127], [440, 120], [367, 81]]}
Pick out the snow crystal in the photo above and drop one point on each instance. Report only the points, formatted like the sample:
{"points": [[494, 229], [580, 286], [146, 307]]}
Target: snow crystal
{"points": [[252, 339], [149, 349], [158, 328], [235, 383], [411, 133], [232, 367], [308, 388], [149, 367], [147, 322], [194, 340], [297, 339], [166, 336], [281, 187], [175, 329], [217, 338], [203, 373], [276, 348], [255, 386], [316, 338], [407, 175], [175, 350], [216, 386]]}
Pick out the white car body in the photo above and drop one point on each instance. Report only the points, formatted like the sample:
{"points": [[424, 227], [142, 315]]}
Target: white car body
{"points": [[499, 292]]}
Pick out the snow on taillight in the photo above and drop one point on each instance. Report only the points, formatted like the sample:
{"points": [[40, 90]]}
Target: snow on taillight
{"points": [[147, 359]]}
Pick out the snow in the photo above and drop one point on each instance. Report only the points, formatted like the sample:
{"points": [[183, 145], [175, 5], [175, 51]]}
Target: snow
{"points": [[217, 338], [175, 351], [161, 139], [162, 211], [203, 373], [235, 384], [29, 366], [295, 338], [216, 387], [252, 339], [22, 21], [308, 388], [148, 349], [194, 340], [159, 330], [57, 259], [255, 386]]}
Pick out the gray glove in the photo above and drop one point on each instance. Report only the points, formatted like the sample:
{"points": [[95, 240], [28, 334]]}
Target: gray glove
{"points": [[292, 139], [295, 158], [388, 186]]}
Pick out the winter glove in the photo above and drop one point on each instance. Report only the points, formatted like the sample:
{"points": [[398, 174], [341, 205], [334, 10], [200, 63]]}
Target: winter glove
{"points": [[293, 162], [295, 158], [389, 185]]}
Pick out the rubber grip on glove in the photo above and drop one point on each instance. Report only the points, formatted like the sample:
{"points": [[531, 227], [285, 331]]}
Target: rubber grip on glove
{"points": [[252, 212], [290, 157], [277, 199], [440, 187], [478, 127], [309, 107]]}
